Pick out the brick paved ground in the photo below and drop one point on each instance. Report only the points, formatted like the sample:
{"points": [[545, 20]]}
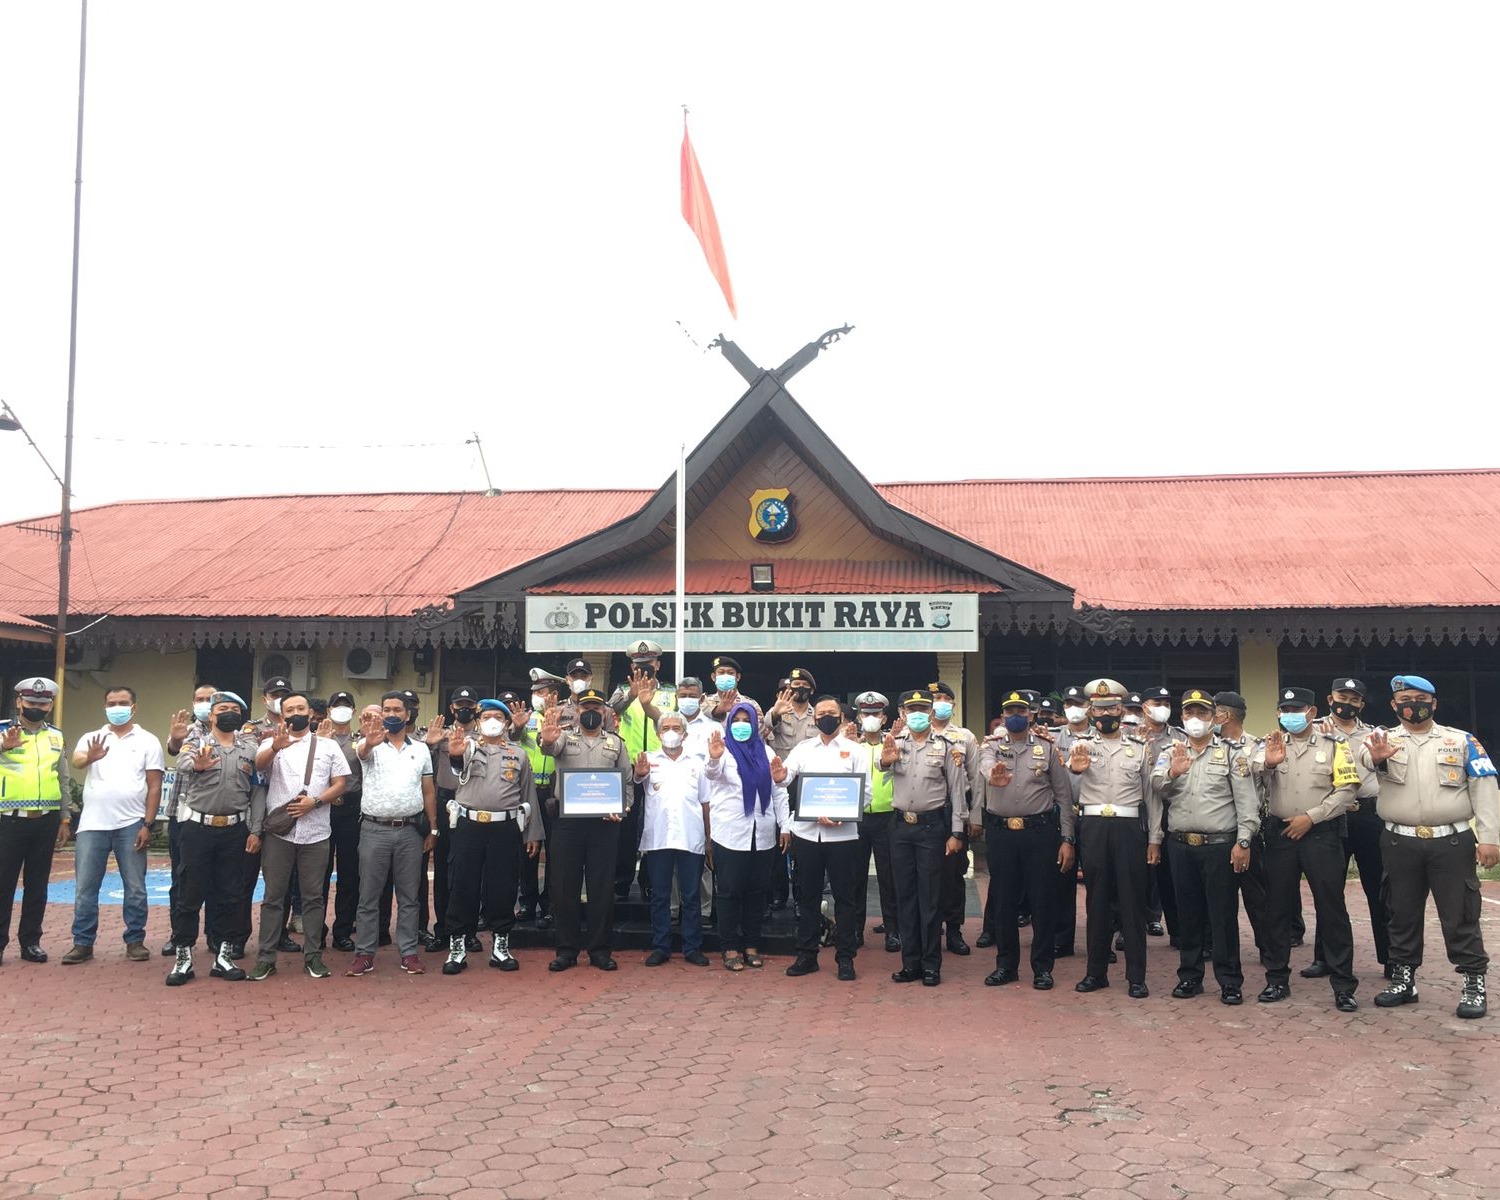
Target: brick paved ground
{"points": [[682, 1081]]}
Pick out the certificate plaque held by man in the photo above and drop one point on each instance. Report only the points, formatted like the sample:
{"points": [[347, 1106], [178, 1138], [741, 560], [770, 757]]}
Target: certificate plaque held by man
{"points": [[591, 792], [831, 795]]}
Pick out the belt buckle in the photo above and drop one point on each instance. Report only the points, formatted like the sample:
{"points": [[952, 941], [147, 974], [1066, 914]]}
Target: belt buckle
{"points": [[484, 817], [218, 822], [909, 817], [1424, 831], [1196, 839], [1015, 822], [1107, 811]]}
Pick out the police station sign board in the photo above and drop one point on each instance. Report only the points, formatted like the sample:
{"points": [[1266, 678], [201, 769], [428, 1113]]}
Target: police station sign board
{"points": [[948, 622]]}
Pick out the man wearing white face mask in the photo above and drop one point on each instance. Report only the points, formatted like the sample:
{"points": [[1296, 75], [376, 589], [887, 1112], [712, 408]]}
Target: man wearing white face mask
{"points": [[875, 828], [343, 818], [1156, 712], [186, 723], [579, 679], [674, 837]]}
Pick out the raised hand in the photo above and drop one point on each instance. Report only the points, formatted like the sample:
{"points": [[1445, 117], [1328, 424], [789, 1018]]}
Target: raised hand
{"points": [[1078, 758], [180, 720], [281, 739], [551, 726], [898, 726], [1275, 749], [888, 750], [1380, 746], [457, 742], [778, 770], [1179, 761], [646, 690], [783, 703], [642, 765], [325, 728], [715, 745], [368, 724], [206, 759], [12, 737], [434, 731], [1000, 774], [97, 749]]}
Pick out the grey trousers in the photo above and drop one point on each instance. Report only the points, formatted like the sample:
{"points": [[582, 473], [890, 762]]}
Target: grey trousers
{"points": [[384, 852], [277, 858]]}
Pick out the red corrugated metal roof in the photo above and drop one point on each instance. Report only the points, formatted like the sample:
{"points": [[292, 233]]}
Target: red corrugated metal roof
{"points": [[799, 577]]}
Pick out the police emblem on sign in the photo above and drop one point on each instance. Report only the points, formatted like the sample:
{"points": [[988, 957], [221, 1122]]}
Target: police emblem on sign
{"points": [[773, 515]]}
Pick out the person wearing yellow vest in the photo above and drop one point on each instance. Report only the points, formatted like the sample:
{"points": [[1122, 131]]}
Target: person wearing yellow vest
{"points": [[875, 829], [33, 811], [638, 704]]}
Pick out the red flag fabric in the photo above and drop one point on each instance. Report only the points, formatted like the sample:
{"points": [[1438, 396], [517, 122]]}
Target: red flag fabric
{"points": [[698, 212]]}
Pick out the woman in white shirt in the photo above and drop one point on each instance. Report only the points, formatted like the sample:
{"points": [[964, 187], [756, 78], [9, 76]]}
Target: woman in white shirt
{"points": [[748, 819]]}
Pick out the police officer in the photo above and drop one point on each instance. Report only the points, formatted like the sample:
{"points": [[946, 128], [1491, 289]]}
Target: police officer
{"points": [[929, 802], [875, 828], [496, 815], [1434, 780], [1212, 813], [1027, 815], [1067, 726], [1154, 705], [790, 720], [1229, 723], [1362, 827], [955, 867], [725, 673], [1310, 782], [638, 704], [583, 849], [579, 678], [343, 818], [1119, 836], [536, 894], [184, 722], [34, 815]]}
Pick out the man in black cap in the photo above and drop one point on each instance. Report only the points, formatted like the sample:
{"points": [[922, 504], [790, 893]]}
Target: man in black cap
{"points": [[1155, 707], [1362, 828], [536, 878], [344, 818], [790, 720], [1074, 724], [638, 705], [725, 673]]}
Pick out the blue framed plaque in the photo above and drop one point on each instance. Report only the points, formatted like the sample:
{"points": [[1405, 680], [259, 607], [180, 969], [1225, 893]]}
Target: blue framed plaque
{"points": [[835, 795], [589, 792]]}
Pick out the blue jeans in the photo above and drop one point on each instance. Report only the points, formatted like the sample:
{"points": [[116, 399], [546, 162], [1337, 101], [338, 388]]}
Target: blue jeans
{"points": [[660, 866], [90, 857]]}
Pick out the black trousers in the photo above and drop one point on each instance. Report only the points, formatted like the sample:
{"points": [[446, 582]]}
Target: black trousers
{"points": [[1023, 861], [343, 856], [244, 902], [1444, 869], [26, 848], [742, 880], [1208, 903], [954, 897], [628, 851], [839, 862], [536, 884], [1065, 919], [921, 872], [875, 842], [583, 851], [1114, 863], [485, 861], [1162, 902], [1320, 856], [213, 875], [1362, 844], [781, 879]]}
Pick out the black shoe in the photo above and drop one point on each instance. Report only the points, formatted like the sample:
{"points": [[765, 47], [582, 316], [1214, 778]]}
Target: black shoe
{"points": [[1471, 1001], [846, 969], [236, 951], [1175, 942], [1274, 993], [905, 976], [956, 943], [424, 935], [169, 949], [433, 942], [931, 978], [385, 937], [656, 958], [1387, 968], [797, 910], [288, 946], [1296, 941], [1119, 941], [346, 944], [892, 943], [1138, 991], [985, 940], [1113, 957], [526, 913], [697, 958], [777, 905], [562, 964], [473, 945], [803, 964], [1042, 981], [1231, 996], [1000, 976], [1091, 983], [1402, 988], [622, 894], [1156, 929], [545, 921], [33, 953], [1315, 970], [1023, 920], [1345, 1002], [879, 928], [1186, 989], [604, 962]]}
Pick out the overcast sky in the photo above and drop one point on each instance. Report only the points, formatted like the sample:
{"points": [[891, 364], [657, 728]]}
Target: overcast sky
{"points": [[1074, 239]]}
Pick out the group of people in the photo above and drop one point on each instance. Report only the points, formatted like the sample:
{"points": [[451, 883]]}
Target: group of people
{"points": [[1170, 824]]}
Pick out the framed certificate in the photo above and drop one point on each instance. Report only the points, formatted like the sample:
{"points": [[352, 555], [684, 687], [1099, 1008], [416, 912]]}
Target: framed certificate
{"points": [[586, 792], [837, 796]]}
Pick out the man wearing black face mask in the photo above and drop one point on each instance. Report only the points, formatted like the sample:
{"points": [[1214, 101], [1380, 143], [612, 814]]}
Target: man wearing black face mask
{"points": [[33, 811], [463, 709], [790, 720]]}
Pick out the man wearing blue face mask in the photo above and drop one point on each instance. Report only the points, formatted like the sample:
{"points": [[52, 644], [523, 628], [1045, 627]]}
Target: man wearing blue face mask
{"points": [[1311, 782], [964, 748], [726, 680]]}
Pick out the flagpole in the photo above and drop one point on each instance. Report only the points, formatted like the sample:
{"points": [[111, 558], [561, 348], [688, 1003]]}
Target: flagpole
{"points": [[681, 581]]}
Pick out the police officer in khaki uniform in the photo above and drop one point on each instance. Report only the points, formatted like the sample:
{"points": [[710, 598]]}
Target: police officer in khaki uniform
{"points": [[495, 814], [1212, 813], [929, 803], [1154, 706], [583, 849], [1434, 780], [1310, 782], [1119, 835], [790, 720], [956, 866], [1027, 815]]}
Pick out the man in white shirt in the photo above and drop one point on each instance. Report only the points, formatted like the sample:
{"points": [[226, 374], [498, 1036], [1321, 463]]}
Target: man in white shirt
{"points": [[674, 837], [825, 847], [306, 774], [121, 794]]}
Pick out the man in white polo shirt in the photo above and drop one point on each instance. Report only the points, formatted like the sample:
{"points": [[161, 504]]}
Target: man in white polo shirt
{"points": [[307, 774], [120, 796]]}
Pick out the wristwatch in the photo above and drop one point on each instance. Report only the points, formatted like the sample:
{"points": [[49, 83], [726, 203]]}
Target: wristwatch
{"points": [[1244, 843], [1067, 841], [317, 801]]}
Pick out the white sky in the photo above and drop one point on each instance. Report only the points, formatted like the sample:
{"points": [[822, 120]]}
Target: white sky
{"points": [[1126, 238]]}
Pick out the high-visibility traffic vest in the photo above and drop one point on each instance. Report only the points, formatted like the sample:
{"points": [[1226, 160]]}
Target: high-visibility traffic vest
{"points": [[28, 774], [542, 765], [882, 785], [636, 729]]}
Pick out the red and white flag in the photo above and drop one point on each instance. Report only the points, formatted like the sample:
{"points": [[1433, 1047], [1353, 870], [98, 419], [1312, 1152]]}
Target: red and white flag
{"points": [[698, 212]]}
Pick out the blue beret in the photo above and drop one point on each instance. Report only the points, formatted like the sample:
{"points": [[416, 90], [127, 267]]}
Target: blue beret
{"points": [[1415, 682], [230, 698], [494, 706]]}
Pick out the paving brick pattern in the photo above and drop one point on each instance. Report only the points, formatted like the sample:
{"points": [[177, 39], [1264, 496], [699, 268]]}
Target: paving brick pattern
{"points": [[682, 1081]]}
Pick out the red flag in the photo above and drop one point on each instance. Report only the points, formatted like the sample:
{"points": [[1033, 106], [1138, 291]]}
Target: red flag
{"points": [[698, 212]]}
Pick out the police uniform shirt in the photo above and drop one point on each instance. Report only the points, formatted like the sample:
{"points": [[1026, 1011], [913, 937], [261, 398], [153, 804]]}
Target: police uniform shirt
{"points": [[19, 789], [1119, 775], [604, 751], [1369, 778], [1216, 795], [788, 730], [567, 717], [1441, 777], [498, 778], [928, 774], [345, 742], [1063, 741], [838, 755], [224, 789], [964, 740], [1304, 782], [1247, 744], [171, 796], [443, 774], [1038, 780]]}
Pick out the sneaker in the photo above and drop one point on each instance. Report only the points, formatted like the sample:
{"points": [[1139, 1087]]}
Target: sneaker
{"points": [[296, 925], [458, 955], [262, 970], [77, 954], [224, 967], [169, 949], [1401, 990], [412, 965], [313, 965], [137, 952], [182, 969], [363, 964]]}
